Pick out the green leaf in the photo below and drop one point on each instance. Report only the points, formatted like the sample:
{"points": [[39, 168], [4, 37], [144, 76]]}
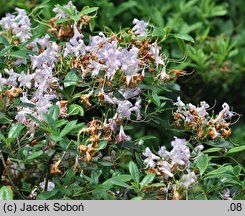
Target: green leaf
{"points": [[68, 92], [212, 150], [3, 51], [15, 130], [219, 143], [45, 195], [51, 123], [75, 109], [89, 10], [123, 178], [68, 128], [92, 25], [158, 32], [219, 172], [147, 180], [62, 20], [237, 170], [134, 172], [102, 145], [77, 128], [156, 99], [33, 156], [202, 163], [6, 193], [119, 183], [158, 185], [54, 112], [41, 124], [71, 79], [95, 175], [236, 149], [118, 180], [2, 115], [19, 54], [104, 163], [144, 138], [25, 105], [3, 40], [2, 136], [185, 37], [85, 11]]}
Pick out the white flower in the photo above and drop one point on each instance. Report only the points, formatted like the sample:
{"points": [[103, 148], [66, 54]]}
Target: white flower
{"points": [[155, 52], [21, 115], [61, 13], [23, 32], [96, 67], [129, 61], [202, 111], [199, 148], [112, 124], [141, 142], [8, 22], [123, 108], [226, 194], [188, 116], [12, 77], [140, 27], [165, 167], [226, 111], [20, 61], [24, 98], [130, 92], [43, 104], [42, 42], [109, 53], [163, 153], [163, 74], [178, 142], [75, 45], [149, 161], [3, 81], [47, 58], [179, 103], [25, 79], [19, 25], [136, 108], [122, 136], [50, 187], [180, 153], [188, 179], [96, 42]]}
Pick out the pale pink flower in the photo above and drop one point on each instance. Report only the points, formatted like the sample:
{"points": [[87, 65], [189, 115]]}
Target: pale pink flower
{"points": [[151, 158], [188, 179], [122, 136], [140, 27]]}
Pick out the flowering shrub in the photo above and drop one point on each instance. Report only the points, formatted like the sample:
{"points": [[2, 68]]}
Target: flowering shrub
{"points": [[69, 99]]}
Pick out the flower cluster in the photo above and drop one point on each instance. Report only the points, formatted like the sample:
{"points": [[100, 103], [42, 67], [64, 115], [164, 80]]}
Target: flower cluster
{"points": [[36, 86], [19, 26], [170, 164], [104, 58], [199, 120]]}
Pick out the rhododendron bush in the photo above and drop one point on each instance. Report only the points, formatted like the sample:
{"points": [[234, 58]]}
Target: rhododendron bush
{"points": [[76, 105]]}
